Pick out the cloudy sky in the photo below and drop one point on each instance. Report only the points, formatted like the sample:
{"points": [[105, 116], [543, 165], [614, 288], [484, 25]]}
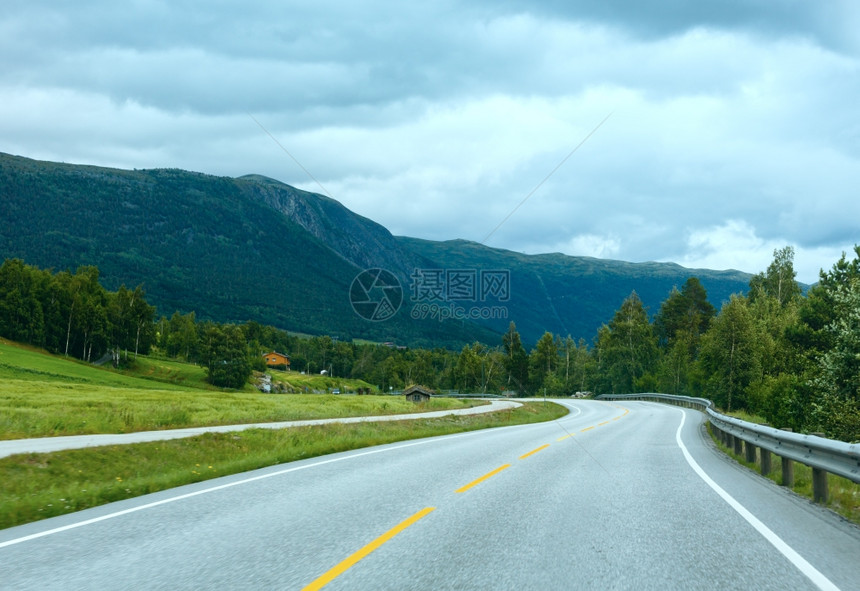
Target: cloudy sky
{"points": [[733, 126]]}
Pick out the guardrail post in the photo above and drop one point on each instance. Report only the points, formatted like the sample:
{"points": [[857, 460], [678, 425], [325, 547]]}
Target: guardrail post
{"points": [[819, 485], [819, 481], [765, 462], [787, 468], [787, 473], [739, 445], [749, 451]]}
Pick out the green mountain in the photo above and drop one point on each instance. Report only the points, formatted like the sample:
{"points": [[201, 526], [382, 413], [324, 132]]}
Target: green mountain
{"points": [[569, 295], [210, 244], [252, 248]]}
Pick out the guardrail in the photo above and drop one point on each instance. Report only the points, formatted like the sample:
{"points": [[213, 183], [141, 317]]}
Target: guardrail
{"points": [[758, 442]]}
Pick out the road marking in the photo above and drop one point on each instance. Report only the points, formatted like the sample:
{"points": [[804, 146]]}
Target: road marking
{"points": [[482, 478], [586, 429], [233, 483], [352, 560], [563, 437], [534, 451], [790, 553], [603, 423]]}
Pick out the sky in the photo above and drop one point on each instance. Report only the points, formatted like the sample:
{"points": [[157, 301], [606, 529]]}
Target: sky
{"points": [[705, 133]]}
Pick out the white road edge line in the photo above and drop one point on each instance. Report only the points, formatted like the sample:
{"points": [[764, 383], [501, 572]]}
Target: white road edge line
{"points": [[78, 524], [796, 559]]}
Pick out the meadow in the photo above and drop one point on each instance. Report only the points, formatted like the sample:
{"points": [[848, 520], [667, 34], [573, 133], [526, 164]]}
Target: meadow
{"points": [[43, 395]]}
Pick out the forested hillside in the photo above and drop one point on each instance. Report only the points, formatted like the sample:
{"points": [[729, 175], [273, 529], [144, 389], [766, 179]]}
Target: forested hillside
{"points": [[255, 249], [195, 242], [573, 295]]}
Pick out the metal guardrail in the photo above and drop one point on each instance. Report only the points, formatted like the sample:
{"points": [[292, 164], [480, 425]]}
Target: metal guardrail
{"points": [[822, 455]]}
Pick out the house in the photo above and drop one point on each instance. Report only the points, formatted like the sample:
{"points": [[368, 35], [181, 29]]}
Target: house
{"points": [[275, 359], [418, 393]]}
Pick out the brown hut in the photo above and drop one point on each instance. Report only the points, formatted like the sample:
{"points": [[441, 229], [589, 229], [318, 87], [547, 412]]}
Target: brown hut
{"points": [[418, 393]]}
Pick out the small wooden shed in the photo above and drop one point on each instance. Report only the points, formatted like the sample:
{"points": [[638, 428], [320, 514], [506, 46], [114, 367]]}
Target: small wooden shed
{"points": [[418, 393]]}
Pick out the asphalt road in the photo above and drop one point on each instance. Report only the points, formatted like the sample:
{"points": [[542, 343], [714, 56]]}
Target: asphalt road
{"points": [[613, 496]]}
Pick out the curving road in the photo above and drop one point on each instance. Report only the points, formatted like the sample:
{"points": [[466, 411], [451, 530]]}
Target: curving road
{"points": [[613, 496]]}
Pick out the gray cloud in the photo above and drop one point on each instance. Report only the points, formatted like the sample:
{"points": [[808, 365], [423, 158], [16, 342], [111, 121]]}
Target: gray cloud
{"points": [[735, 129]]}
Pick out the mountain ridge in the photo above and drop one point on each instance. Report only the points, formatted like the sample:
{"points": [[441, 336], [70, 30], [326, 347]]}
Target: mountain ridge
{"points": [[254, 248]]}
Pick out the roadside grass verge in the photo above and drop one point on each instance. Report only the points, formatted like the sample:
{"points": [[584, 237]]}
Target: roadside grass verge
{"points": [[38, 486], [31, 408], [843, 495]]}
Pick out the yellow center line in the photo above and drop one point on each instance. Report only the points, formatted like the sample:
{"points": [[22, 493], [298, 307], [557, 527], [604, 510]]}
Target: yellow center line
{"points": [[344, 565], [562, 438], [616, 418], [587, 429], [603, 423], [482, 478], [534, 451]]}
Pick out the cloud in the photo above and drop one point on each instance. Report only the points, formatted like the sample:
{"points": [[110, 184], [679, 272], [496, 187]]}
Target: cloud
{"points": [[732, 123]]}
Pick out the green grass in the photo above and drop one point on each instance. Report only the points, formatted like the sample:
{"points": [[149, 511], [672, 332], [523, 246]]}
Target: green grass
{"points": [[167, 371], [843, 495], [43, 395], [19, 362], [38, 486], [35, 409], [299, 382]]}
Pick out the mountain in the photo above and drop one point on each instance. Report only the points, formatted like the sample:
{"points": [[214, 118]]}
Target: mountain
{"points": [[253, 248], [218, 246], [569, 295], [360, 241]]}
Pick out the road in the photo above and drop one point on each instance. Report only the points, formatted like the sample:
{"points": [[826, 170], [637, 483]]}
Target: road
{"points": [[612, 496]]}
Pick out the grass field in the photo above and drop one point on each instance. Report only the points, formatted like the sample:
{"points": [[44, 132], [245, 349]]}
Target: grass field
{"points": [[42, 395], [37, 486]]}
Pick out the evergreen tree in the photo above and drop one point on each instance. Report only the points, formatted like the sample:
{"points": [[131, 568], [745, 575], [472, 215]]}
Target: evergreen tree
{"points": [[729, 356], [516, 361], [543, 361]]}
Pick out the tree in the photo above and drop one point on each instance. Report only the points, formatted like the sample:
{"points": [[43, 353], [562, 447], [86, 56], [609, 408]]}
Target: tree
{"points": [[779, 279], [182, 337], [21, 317], [687, 311], [543, 361], [837, 409], [627, 348], [728, 355], [141, 317], [225, 355], [516, 361]]}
